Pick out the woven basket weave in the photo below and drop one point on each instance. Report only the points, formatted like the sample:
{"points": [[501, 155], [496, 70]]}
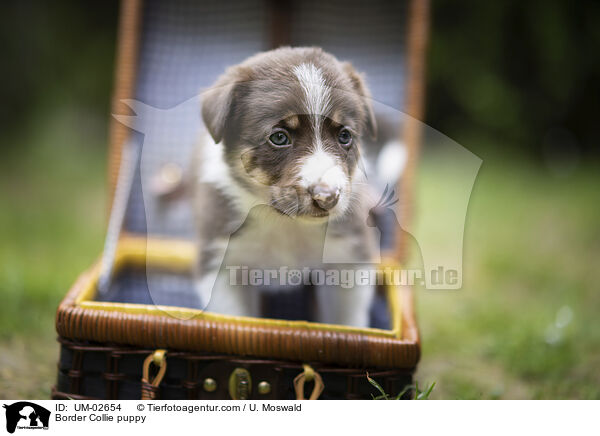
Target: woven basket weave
{"points": [[105, 345]]}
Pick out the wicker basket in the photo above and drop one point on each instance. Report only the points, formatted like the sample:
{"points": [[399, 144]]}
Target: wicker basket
{"points": [[132, 349]]}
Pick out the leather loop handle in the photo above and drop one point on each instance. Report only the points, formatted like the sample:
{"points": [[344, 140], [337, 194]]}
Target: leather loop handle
{"points": [[308, 374], [150, 387]]}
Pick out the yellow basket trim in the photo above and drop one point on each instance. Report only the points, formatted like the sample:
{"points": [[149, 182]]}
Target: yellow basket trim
{"points": [[181, 255]]}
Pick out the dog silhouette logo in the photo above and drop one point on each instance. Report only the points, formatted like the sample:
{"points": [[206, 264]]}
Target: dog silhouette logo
{"points": [[26, 415]]}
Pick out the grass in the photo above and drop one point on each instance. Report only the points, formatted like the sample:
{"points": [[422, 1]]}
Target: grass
{"points": [[415, 392], [52, 204], [524, 325]]}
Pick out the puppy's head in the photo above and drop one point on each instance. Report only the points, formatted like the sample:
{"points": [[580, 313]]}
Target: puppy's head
{"points": [[291, 122]]}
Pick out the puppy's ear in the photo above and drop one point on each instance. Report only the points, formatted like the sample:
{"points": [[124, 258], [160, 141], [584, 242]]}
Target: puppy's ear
{"points": [[361, 89], [217, 102]]}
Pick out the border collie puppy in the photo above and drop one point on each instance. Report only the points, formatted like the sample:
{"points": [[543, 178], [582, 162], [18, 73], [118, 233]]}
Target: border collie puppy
{"points": [[279, 183]]}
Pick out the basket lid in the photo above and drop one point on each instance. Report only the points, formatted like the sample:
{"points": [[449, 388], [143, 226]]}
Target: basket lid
{"points": [[180, 47]]}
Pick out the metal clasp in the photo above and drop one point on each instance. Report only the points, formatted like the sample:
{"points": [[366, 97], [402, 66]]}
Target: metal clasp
{"points": [[240, 384]]}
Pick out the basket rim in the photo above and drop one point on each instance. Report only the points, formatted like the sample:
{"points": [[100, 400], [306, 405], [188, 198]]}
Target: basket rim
{"points": [[79, 317]]}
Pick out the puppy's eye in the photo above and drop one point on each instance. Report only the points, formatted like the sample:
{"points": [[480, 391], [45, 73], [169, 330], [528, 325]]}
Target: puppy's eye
{"points": [[345, 137], [280, 139]]}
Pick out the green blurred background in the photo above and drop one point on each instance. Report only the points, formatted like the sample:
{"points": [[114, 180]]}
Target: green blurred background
{"points": [[517, 83]]}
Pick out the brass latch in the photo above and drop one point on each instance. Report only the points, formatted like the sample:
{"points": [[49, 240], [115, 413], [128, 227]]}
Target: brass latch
{"points": [[240, 384]]}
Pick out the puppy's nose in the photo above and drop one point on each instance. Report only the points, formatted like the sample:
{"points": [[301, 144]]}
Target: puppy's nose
{"points": [[324, 196]]}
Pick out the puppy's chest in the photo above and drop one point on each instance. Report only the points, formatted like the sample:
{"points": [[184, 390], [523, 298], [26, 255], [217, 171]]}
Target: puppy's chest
{"points": [[272, 243]]}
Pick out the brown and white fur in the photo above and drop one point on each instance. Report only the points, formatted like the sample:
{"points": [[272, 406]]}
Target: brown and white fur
{"points": [[266, 205]]}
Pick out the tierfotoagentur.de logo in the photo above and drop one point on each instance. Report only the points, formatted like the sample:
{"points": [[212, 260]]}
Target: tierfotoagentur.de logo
{"points": [[25, 415]]}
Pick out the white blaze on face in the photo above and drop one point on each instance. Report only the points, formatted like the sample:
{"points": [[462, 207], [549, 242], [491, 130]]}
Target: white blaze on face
{"points": [[317, 98], [319, 167]]}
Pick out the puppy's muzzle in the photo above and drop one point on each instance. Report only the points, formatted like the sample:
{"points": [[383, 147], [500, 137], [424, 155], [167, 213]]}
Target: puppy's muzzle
{"points": [[324, 196]]}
